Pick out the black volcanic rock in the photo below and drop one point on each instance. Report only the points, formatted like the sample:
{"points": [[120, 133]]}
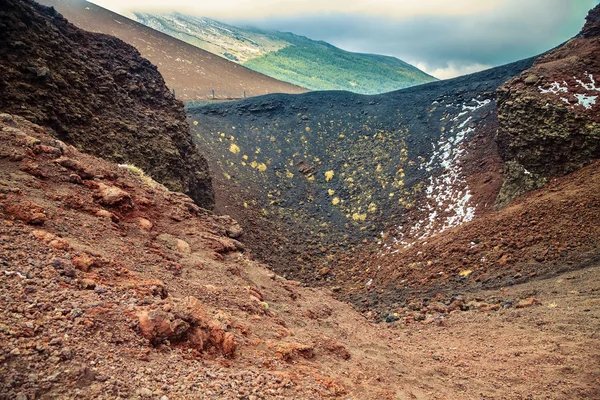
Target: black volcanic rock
{"points": [[592, 25], [319, 173], [96, 92]]}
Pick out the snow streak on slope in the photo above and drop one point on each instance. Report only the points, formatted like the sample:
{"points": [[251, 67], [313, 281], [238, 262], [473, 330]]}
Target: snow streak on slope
{"points": [[447, 196]]}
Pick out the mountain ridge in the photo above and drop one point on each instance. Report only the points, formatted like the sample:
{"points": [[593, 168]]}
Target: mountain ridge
{"points": [[192, 72], [291, 57]]}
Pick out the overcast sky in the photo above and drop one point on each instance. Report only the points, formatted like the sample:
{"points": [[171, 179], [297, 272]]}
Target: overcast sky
{"points": [[444, 38]]}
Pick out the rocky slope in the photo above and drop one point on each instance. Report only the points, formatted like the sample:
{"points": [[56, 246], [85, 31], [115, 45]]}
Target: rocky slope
{"points": [[385, 198], [191, 71], [113, 287], [98, 93], [550, 114], [542, 133], [314, 175]]}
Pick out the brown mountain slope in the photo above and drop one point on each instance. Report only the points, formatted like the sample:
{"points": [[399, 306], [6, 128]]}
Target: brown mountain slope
{"points": [[96, 92], [113, 287], [542, 233], [191, 71]]}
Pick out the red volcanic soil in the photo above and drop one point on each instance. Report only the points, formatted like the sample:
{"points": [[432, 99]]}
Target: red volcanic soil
{"points": [[545, 232], [191, 71], [112, 286]]}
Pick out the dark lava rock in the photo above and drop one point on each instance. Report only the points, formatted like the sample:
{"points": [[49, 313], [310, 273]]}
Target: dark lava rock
{"points": [[306, 175], [96, 92]]}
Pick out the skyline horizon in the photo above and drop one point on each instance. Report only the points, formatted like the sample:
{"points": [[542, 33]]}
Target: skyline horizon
{"points": [[444, 45]]}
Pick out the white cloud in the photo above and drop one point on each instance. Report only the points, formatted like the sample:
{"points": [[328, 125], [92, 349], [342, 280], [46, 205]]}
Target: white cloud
{"points": [[401, 9], [444, 38], [452, 70]]}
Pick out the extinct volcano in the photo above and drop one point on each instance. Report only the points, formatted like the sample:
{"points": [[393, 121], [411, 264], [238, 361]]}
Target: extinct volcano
{"points": [[317, 174], [112, 286]]}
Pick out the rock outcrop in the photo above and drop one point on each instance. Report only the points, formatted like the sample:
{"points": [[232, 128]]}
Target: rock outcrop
{"points": [[97, 93], [549, 115]]}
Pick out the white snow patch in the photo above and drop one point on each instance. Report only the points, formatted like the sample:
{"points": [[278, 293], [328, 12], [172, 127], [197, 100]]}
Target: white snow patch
{"points": [[588, 86], [465, 122], [477, 106], [586, 101], [20, 275], [447, 196], [555, 88]]}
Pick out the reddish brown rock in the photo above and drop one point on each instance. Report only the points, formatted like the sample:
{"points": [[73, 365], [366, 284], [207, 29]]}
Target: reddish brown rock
{"points": [[43, 149], [438, 307], [229, 344], [232, 227], [112, 195], [220, 244], [75, 166], [106, 214], [191, 309], [26, 211], [33, 169], [21, 138], [198, 338], [84, 262], [183, 246], [336, 348], [144, 224], [156, 326], [43, 236], [289, 351], [59, 244], [527, 302]]}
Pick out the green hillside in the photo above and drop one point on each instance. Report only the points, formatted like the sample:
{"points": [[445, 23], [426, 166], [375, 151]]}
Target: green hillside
{"points": [[321, 66], [315, 65]]}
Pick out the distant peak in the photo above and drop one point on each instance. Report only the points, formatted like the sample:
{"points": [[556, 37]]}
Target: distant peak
{"points": [[592, 23]]}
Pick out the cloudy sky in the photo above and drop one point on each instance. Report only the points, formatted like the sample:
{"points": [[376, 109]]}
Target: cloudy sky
{"points": [[444, 38]]}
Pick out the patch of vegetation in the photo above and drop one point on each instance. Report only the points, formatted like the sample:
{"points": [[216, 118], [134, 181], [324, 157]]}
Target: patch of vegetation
{"points": [[139, 173]]}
